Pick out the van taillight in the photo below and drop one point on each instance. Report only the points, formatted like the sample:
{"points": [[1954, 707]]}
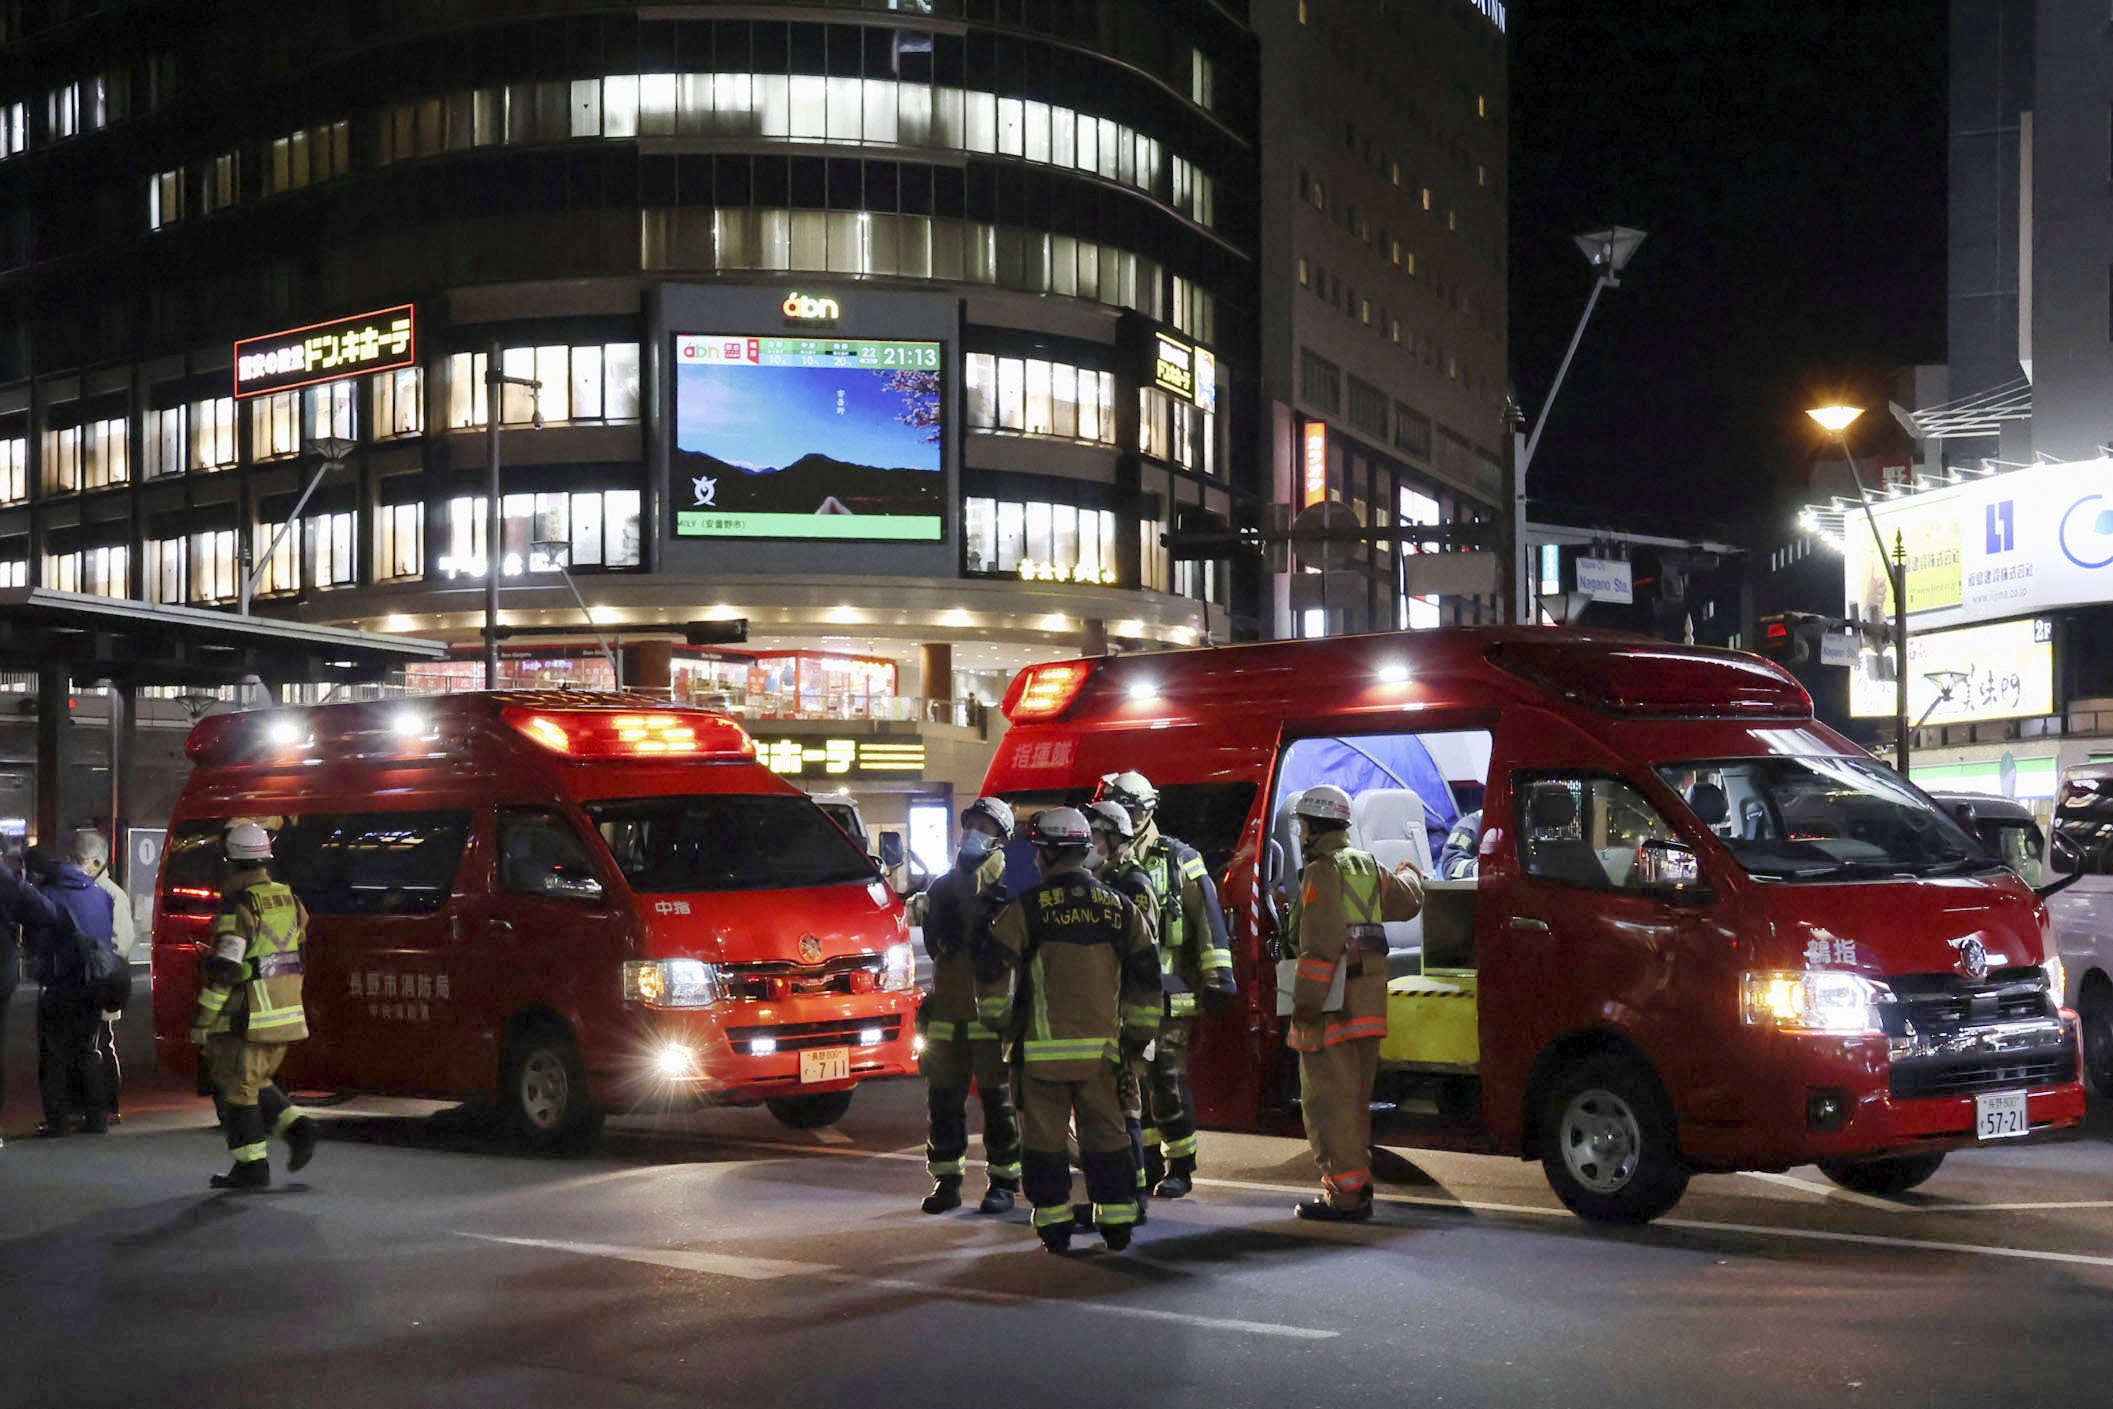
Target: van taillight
{"points": [[601, 733], [189, 900], [1045, 691]]}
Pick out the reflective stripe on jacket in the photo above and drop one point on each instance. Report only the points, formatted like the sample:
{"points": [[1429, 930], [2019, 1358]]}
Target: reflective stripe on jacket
{"points": [[253, 976], [1087, 979], [1344, 898]]}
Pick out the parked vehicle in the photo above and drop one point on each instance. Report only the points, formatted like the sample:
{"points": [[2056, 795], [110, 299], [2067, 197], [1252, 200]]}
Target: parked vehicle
{"points": [[2006, 827], [1701, 930], [575, 903], [2080, 853]]}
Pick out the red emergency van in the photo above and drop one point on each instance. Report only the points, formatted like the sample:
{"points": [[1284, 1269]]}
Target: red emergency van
{"points": [[1672, 922], [578, 902]]}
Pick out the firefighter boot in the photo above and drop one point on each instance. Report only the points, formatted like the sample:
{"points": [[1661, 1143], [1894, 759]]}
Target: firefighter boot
{"points": [[245, 1141], [1180, 1178], [1056, 1238], [945, 1195], [1321, 1211], [300, 1136], [1000, 1196]]}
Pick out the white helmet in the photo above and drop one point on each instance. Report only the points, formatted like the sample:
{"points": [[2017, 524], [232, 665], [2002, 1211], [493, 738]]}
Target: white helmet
{"points": [[1323, 802], [246, 841]]}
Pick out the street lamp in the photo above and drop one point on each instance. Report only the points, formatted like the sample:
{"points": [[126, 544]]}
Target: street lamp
{"points": [[560, 554], [331, 451], [1836, 420], [1609, 250], [495, 384]]}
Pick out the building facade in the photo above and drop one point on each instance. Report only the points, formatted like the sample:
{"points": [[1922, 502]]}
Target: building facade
{"points": [[1384, 354], [901, 332]]}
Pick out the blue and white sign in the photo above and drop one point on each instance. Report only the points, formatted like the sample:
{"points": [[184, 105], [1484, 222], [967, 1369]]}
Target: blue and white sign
{"points": [[1606, 580]]}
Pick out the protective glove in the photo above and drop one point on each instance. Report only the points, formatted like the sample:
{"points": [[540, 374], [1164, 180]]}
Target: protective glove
{"points": [[1216, 997]]}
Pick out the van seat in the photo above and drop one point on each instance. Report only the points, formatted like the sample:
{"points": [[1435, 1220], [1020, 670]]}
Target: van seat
{"points": [[1392, 825]]}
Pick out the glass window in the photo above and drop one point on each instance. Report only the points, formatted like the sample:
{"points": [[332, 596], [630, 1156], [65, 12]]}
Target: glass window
{"points": [[1823, 819], [1585, 831], [2083, 817], [330, 549], [212, 427], [327, 410], [1012, 393], [399, 542], [62, 460], [14, 469], [979, 534], [274, 425], [620, 381], [104, 457], [620, 531], [214, 567], [282, 566], [164, 198], [1041, 419], [1012, 536], [399, 402], [697, 845], [462, 550], [165, 571], [541, 854], [164, 442], [379, 863]]}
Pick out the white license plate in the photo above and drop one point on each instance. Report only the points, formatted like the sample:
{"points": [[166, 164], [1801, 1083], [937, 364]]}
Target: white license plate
{"points": [[2000, 1115], [825, 1064]]}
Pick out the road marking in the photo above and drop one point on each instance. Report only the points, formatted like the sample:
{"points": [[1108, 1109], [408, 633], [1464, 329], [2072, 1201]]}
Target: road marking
{"points": [[2008, 1208], [763, 1269], [1825, 1191], [1688, 1224], [830, 1135]]}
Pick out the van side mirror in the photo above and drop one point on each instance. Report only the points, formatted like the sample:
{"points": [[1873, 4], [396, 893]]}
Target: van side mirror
{"points": [[1670, 870], [2066, 860], [891, 852]]}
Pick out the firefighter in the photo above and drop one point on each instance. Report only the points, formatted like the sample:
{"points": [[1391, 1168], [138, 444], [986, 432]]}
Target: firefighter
{"points": [[1112, 837], [963, 1019], [249, 1011], [1344, 898], [1087, 998], [1195, 964]]}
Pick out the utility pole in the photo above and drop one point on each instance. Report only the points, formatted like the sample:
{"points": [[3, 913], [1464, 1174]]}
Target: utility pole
{"points": [[1899, 573]]}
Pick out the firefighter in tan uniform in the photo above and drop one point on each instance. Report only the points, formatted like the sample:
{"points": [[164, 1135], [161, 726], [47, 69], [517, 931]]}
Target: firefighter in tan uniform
{"points": [[1086, 999], [963, 1020], [1344, 897], [1196, 974], [249, 1011], [1113, 833]]}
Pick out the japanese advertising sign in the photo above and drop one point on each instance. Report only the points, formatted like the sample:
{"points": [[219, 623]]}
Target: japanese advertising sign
{"points": [[323, 352], [1965, 675], [840, 758]]}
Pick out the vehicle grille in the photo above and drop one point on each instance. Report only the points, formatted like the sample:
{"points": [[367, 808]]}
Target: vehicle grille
{"points": [[1954, 1036], [775, 982], [799, 1037]]}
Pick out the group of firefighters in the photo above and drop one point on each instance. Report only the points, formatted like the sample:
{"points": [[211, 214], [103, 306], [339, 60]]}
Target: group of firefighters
{"points": [[1070, 1004]]}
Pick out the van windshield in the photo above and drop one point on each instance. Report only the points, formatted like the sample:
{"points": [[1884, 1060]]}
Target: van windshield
{"points": [[1824, 819], [688, 845]]}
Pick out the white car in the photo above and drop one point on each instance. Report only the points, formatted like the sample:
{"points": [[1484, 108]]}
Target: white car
{"points": [[2080, 861]]}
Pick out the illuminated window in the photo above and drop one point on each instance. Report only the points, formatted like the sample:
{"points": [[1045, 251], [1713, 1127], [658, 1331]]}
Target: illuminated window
{"points": [[399, 542], [399, 402], [330, 539], [222, 183], [310, 155], [14, 572], [1420, 612], [282, 568], [105, 457], [164, 198], [597, 382], [99, 572], [62, 110], [215, 566], [326, 410], [1203, 75], [14, 129], [1481, 106], [62, 460], [1040, 541], [275, 425], [212, 429], [601, 527], [167, 562], [1426, 197], [14, 469]]}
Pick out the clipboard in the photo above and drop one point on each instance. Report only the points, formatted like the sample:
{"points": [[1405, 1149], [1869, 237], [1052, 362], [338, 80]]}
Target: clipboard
{"points": [[1287, 979]]}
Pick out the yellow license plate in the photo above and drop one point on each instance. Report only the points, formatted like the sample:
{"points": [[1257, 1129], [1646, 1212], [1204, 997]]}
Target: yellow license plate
{"points": [[825, 1064]]}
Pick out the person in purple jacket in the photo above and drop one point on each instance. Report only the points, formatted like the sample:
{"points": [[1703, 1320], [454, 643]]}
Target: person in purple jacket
{"points": [[73, 962]]}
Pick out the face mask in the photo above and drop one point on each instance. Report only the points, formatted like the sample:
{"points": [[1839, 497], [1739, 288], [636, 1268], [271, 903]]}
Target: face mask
{"points": [[975, 846]]}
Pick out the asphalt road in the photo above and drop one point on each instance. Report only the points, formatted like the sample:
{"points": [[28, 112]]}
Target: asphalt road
{"points": [[715, 1258]]}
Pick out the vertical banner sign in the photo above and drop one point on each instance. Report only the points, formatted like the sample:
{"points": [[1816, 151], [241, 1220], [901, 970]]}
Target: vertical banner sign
{"points": [[1316, 463]]}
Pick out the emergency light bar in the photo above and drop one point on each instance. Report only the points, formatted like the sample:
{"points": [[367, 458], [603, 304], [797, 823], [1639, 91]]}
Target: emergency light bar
{"points": [[607, 734], [1043, 692], [285, 738]]}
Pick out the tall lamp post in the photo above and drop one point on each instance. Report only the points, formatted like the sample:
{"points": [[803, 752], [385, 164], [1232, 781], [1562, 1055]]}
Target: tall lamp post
{"points": [[1610, 251], [331, 451], [495, 384], [560, 554], [1836, 420]]}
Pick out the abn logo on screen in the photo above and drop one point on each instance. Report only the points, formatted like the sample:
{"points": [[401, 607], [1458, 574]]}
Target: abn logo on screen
{"points": [[799, 308]]}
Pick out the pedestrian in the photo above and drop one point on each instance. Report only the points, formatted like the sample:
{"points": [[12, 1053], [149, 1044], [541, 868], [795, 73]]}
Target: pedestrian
{"points": [[23, 909], [1113, 834], [1086, 999], [962, 1020], [249, 1011], [1339, 1002], [1196, 974], [73, 964], [92, 854]]}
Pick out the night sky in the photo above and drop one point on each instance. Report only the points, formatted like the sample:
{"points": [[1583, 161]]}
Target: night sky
{"points": [[1787, 158]]}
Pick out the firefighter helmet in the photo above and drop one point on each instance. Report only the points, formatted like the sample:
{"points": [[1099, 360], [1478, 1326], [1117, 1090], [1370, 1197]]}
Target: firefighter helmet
{"points": [[1130, 789], [1114, 817], [1060, 829], [992, 810], [246, 841], [1323, 802]]}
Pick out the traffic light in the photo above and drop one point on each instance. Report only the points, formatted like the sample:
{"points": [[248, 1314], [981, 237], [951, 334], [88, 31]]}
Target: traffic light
{"points": [[1783, 637]]}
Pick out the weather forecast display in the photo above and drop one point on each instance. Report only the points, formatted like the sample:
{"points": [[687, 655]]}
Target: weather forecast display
{"points": [[790, 437]]}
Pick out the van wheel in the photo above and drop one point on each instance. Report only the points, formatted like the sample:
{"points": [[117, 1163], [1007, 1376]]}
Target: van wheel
{"points": [[810, 1112], [1895, 1174], [543, 1091], [2095, 1017], [1607, 1142]]}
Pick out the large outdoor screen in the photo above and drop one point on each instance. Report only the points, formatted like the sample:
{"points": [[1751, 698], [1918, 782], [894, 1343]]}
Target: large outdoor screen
{"points": [[789, 437]]}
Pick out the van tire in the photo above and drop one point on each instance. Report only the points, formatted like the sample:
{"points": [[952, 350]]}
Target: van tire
{"points": [[1885, 1176], [810, 1112], [543, 1091], [1608, 1141], [2095, 1021]]}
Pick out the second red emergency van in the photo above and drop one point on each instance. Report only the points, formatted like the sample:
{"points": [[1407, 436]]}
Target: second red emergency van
{"points": [[574, 903], [1672, 923]]}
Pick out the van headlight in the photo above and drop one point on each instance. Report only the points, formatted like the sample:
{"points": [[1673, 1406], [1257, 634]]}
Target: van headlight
{"points": [[2057, 978], [898, 969], [671, 983], [1813, 1001]]}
